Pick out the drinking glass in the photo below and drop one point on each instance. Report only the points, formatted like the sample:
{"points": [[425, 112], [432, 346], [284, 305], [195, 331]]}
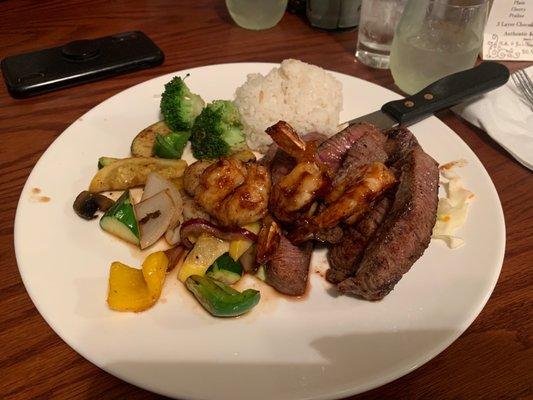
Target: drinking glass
{"points": [[333, 14], [436, 38], [376, 29], [256, 14]]}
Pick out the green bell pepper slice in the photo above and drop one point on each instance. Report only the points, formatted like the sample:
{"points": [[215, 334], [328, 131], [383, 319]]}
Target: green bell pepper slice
{"points": [[219, 299], [171, 145]]}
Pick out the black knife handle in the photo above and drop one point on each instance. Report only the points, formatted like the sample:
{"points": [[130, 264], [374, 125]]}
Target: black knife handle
{"points": [[448, 91]]}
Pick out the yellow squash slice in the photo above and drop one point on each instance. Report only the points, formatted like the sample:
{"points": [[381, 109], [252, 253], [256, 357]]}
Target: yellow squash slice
{"points": [[131, 172], [204, 253], [238, 247]]}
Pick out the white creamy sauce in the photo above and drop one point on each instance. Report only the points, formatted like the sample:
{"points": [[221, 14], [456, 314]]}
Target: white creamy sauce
{"points": [[452, 210]]}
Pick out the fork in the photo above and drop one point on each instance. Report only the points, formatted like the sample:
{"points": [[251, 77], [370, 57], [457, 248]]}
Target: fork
{"points": [[524, 83]]}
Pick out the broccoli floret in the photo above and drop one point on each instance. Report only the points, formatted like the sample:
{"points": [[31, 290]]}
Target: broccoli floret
{"points": [[217, 131], [179, 106]]}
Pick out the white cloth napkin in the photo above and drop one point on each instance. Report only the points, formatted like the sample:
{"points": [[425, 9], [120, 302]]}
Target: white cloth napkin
{"points": [[507, 117]]}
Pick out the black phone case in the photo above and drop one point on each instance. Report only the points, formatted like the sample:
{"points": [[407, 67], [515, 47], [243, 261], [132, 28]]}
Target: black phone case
{"points": [[79, 62]]}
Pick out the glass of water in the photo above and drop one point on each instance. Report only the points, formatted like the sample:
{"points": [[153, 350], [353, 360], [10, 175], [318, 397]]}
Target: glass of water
{"points": [[377, 24], [436, 38], [256, 14]]}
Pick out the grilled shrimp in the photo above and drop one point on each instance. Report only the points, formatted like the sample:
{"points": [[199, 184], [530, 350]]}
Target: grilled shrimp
{"points": [[233, 192], [295, 193], [348, 201]]}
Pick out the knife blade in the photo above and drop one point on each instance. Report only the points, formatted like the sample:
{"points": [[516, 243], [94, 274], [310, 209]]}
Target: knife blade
{"points": [[440, 95], [378, 118]]}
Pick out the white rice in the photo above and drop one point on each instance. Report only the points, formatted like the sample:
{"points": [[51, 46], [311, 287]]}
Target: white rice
{"points": [[304, 95]]}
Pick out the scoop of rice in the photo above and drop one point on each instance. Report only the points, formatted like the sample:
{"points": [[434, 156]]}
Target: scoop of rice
{"points": [[304, 95]]}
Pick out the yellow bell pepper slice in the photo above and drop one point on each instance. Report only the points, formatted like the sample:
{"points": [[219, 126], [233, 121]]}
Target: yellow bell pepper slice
{"points": [[132, 289], [238, 247], [204, 253], [154, 270]]}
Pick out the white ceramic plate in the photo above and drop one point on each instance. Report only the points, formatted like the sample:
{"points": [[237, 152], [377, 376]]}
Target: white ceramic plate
{"points": [[322, 347]]}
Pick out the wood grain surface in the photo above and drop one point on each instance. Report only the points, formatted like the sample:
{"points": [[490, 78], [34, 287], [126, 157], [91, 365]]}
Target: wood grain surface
{"points": [[492, 359]]}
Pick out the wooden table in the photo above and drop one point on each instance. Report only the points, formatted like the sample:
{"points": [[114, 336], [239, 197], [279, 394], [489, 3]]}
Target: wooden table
{"points": [[492, 359]]}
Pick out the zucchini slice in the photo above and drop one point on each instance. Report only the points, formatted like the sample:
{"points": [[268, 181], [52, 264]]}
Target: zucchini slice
{"points": [[120, 220], [127, 173], [225, 270], [143, 144]]}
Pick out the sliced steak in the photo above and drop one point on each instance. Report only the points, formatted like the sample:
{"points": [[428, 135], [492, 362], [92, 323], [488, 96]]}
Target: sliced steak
{"points": [[304, 230], [404, 235], [332, 151], [315, 137], [344, 257], [399, 144], [329, 235], [288, 267], [369, 148]]}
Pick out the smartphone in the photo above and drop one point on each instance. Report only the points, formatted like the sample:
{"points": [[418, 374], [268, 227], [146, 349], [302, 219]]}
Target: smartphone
{"points": [[79, 62]]}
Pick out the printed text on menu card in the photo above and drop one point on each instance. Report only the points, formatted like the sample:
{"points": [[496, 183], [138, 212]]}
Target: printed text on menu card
{"points": [[509, 31]]}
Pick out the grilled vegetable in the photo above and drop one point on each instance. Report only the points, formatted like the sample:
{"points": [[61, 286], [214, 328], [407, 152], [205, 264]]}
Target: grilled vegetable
{"points": [[193, 228], [245, 155], [179, 106], [175, 256], [268, 240], [239, 246], [130, 172], [217, 131], [154, 215], [155, 183], [120, 220], [171, 145], [143, 144], [132, 289], [204, 253], [105, 161], [87, 203], [219, 299], [248, 260], [225, 270], [261, 273]]}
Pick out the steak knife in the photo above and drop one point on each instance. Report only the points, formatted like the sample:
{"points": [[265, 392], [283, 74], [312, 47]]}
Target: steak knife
{"points": [[440, 95]]}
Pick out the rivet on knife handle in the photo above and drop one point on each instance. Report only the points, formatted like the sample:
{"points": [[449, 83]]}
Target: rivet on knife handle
{"points": [[448, 91]]}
